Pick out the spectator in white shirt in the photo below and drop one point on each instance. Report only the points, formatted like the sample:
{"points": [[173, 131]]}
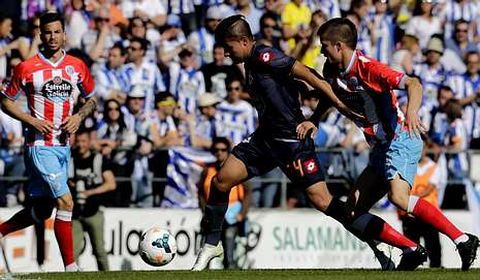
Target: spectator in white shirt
{"points": [[143, 73]]}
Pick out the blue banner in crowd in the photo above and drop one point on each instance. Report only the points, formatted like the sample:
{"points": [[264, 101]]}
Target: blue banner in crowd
{"points": [[183, 172]]}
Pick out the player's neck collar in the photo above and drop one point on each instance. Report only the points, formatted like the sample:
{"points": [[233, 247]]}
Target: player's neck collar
{"points": [[350, 64], [54, 64]]}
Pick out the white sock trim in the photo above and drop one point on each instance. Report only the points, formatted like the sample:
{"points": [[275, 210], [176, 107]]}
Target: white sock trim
{"points": [[460, 239], [412, 202], [64, 216]]}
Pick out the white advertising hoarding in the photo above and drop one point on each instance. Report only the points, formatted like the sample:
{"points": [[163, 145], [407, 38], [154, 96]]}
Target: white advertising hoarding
{"points": [[275, 239]]}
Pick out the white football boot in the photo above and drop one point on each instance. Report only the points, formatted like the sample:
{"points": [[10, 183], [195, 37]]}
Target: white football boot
{"points": [[206, 254]]}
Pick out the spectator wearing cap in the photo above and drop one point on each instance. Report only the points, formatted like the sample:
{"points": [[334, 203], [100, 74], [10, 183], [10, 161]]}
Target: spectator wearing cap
{"points": [[203, 39], [172, 39], [186, 82], [97, 41], [424, 23], [140, 123], [237, 115], [383, 32], [431, 72], [110, 79], [216, 72], [152, 10], [143, 73], [459, 43], [208, 125]]}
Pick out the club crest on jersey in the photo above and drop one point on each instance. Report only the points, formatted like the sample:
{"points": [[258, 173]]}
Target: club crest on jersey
{"points": [[57, 88], [70, 70], [354, 82], [267, 56]]}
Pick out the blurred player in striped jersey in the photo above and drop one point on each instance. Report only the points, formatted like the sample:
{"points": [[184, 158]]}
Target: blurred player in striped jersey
{"points": [[52, 81]]}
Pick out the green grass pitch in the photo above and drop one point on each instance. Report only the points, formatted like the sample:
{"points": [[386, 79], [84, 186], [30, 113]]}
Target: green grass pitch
{"points": [[303, 274]]}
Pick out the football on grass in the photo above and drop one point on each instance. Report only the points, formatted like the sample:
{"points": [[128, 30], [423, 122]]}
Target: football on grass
{"points": [[157, 246]]}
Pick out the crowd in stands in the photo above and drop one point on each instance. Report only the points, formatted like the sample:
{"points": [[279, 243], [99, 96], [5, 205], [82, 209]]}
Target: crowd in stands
{"points": [[162, 81]]}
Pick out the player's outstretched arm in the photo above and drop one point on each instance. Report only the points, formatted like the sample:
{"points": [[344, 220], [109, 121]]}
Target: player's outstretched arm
{"points": [[9, 107], [308, 75], [72, 123], [414, 92]]}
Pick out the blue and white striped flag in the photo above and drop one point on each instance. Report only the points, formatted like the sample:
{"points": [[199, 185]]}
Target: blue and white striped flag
{"points": [[183, 172]]}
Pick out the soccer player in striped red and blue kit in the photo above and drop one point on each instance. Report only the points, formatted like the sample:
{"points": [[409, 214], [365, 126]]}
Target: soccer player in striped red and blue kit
{"points": [[52, 81], [396, 146]]}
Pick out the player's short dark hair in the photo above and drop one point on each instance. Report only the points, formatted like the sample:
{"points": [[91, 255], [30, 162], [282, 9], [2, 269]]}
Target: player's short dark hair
{"points": [[142, 41], [233, 27], [339, 30], [222, 140], [50, 17]]}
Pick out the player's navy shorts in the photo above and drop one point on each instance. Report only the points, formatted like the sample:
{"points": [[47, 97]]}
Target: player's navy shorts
{"points": [[47, 169], [296, 158]]}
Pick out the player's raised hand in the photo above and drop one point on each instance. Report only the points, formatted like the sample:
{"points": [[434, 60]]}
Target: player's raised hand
{"points": [[71, 124], [304, 127], [414, 125], [42, 126], [349, 113]]}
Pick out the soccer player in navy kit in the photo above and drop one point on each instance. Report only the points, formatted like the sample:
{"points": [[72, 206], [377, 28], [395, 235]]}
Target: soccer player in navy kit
{"points": [[282, 138]]}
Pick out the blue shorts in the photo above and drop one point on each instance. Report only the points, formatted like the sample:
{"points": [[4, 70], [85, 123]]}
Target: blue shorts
{"points": [[399, 156], [47, 169]]}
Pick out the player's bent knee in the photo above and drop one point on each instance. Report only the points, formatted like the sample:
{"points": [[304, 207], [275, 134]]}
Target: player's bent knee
{"points": [[65, 203], [398, 199], [319, 196]]}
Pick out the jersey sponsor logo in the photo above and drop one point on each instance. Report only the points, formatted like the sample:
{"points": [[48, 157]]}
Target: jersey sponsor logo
{"points": [[310, 166], [57, 88]]}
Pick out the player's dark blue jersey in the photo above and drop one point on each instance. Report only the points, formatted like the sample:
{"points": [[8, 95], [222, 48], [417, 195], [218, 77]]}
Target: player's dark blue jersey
{"points": [[273, 91]]}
